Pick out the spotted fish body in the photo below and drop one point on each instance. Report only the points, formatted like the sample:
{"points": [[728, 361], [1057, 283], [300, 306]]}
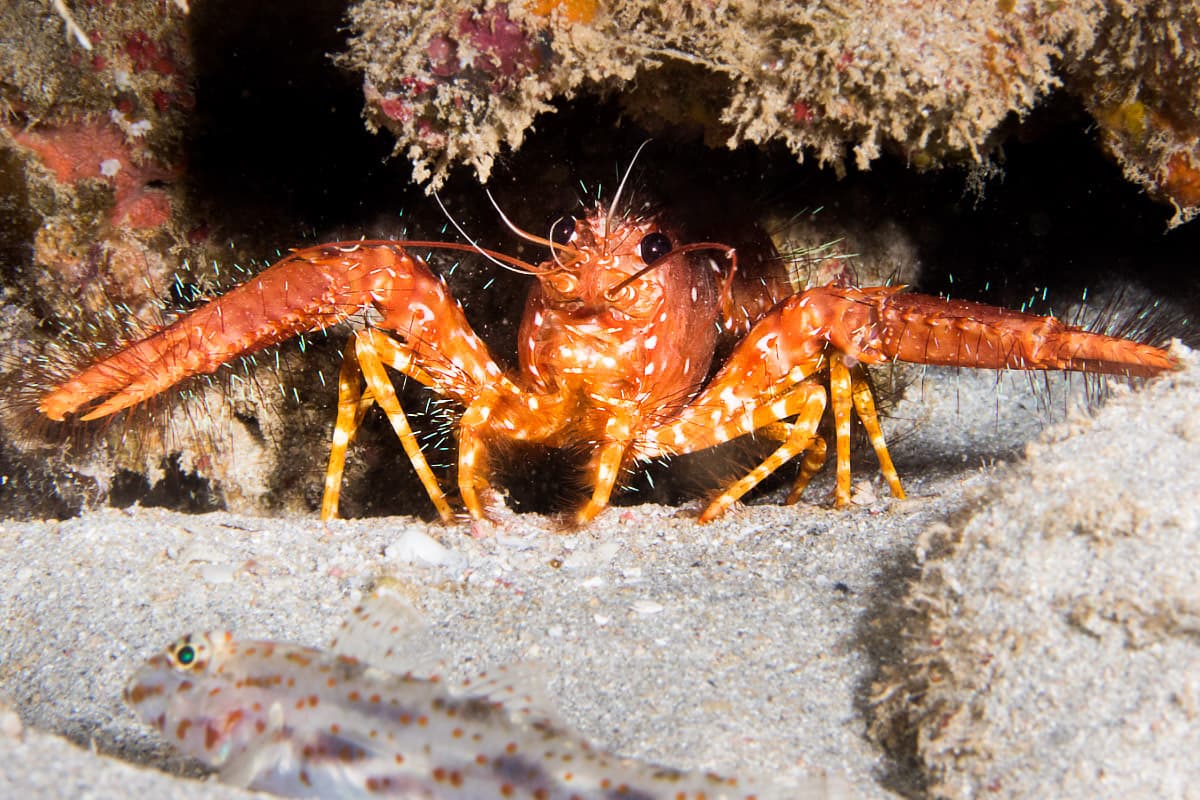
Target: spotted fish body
{"points": [[303, 722]]}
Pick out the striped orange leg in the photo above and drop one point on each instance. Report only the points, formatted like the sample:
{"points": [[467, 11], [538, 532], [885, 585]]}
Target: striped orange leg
{"points": [[841, 399], [352, 405], [849, 387], [814, 459], [472, 450], [364, 357], [737, 414], [864, 404], [806, 402], [501, 410], [606, 462]]}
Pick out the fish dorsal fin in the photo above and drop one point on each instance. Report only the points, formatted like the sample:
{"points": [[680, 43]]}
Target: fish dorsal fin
{"points": [[521, 689], [387, 632]]}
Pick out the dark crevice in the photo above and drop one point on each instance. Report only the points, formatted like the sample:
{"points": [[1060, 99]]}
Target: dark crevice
{"points": [[177, 488]]}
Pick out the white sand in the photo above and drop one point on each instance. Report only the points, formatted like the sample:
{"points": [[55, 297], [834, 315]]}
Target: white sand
{"points": [[747, 646]]}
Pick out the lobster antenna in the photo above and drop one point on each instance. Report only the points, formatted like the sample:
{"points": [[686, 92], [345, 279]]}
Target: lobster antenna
{"points": [[612, 209], [475, 244], [554, 246]]}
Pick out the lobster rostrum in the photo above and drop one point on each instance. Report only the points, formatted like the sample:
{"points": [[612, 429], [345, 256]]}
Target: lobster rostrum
{"points": [[616, 351]]}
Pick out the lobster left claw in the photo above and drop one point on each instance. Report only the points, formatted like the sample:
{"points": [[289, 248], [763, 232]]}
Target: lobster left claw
{"points": [[773, 373]]}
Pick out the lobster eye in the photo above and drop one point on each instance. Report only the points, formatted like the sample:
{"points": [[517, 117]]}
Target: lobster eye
{"points": [[654, 246], [563, 231]]}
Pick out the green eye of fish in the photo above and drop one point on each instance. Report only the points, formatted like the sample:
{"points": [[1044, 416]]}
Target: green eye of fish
{"points": [[185, 655]]}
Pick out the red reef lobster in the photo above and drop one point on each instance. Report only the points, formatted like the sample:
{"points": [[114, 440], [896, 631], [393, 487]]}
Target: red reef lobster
{"points": [[616, 352]]}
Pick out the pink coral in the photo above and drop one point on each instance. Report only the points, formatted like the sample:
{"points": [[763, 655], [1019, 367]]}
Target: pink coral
{"points": [[505, 50], [443, 56], [96, 149]]}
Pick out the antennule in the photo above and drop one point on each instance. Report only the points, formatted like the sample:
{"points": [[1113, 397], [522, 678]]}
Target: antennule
{"points": [[526, 269], [554, 246]]}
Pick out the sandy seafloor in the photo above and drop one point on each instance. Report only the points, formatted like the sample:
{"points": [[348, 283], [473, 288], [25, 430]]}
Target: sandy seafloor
{"points": [[747, 646]]}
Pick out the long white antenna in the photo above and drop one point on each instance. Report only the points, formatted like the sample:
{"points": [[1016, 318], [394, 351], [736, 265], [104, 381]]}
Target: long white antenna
{"points": [[475, 244], [612, 209], [553, 245]]}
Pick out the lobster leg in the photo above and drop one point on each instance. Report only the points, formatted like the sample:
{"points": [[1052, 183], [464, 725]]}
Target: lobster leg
{"points": [[353, 404], [501, 410], [840, 388], [606, 462], [814, 459], [806, 401], [310, 290], [364, 360], [848, 390], [864, 404], [848, 387], [874, 325]]}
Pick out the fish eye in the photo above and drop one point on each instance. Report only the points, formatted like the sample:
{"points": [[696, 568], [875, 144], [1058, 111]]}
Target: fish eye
{"points": [[183, 654], [654, 246], [563, 230]]}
